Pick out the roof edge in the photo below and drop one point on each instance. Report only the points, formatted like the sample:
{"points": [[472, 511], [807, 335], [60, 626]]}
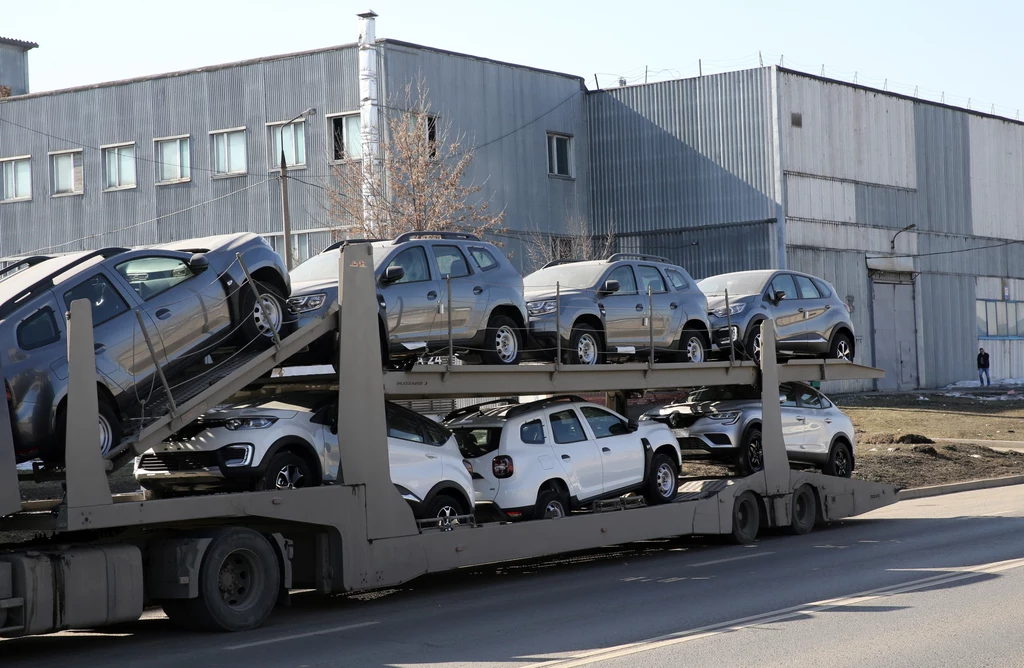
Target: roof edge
{"points": [[18, 42]]}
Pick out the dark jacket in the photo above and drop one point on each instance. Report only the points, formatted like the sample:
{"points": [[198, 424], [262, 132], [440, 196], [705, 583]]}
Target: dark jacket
{"points": [[982, 360]]}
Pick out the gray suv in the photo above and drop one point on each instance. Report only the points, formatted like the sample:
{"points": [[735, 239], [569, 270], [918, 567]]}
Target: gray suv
{"points": [[605, 311], [810, 319], [192, 296], [488, 313]]}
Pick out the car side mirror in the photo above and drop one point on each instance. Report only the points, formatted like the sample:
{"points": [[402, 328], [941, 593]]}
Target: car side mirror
{"points": [[198, 263], [610, 286], [779, 296], [392, 274], [633, 425]]}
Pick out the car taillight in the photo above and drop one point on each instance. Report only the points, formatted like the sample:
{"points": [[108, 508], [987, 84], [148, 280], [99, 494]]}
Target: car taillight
{"points": [[501, 466], [469, 467], [849, 309]]}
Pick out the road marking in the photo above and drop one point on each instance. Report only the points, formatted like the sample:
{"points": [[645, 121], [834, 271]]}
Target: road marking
{"points": [[588, 658], [296, 636], [722, 561]]}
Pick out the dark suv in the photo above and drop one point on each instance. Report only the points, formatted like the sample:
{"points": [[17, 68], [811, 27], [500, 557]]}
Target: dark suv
{"points": [[192, 296], [604, 309], [413, 272]]}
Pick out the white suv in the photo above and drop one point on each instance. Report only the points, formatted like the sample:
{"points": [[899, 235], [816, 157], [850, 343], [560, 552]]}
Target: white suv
{"points": [[547, 458], [291, 440]]}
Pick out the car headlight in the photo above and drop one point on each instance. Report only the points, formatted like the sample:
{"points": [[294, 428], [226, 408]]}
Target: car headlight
{"points": [[730, 417], [234, 424], [238, 455], [734, 309], [307, 302], [541, 308]]}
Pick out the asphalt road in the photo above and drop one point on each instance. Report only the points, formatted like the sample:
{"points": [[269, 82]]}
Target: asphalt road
{"points": [[930, 582]]}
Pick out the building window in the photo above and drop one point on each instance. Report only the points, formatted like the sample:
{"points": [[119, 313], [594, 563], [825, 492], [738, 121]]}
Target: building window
{"points": [[15, 179], [432, 136], [292, 140], [1000, 319], [559, 155], [119, 166], [345, 137], [229, 151], [173, 160], [66, 173]]}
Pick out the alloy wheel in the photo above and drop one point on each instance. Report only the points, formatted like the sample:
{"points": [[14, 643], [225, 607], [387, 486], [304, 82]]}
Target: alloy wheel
{"points": [[842, 467], [289, 477], [446, 515], [755, 454], [506, 344], [843, 350], [756, 352]]}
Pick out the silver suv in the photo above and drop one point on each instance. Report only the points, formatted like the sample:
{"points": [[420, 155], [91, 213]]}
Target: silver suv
{"points": [[810, 319], [604, 310], [488, 313]]}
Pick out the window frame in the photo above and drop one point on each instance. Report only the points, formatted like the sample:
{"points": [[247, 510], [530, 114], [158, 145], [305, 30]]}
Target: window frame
{"points": [[583, 412], [796, 282], [551, 141], [124, 275], [274, 159], [664, 282], [770, 292], [426, 259], [43, 310], [575, 414], [441, 276], [472, 253], [104, 149], [331, 118], [113, 286], [669, 272], [213, 134], [1014, 306], [13, 160], [157, 141], [74, 153], [543, 436], [620, 291]]}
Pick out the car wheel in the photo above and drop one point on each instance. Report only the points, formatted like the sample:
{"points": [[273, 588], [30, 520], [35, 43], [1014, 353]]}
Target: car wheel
{"points": [[746, 518], [840, 460], [445, 509], [693, 347], [803, 511], [503, 343], [662, 480], [752, 346], [584, 346], [262, 317], [287, 471], [751, 455], [841, 348], [551, 505], [109, 426]]}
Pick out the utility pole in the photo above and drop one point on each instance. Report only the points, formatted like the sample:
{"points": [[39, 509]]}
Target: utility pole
{"points": [[286, 218]]}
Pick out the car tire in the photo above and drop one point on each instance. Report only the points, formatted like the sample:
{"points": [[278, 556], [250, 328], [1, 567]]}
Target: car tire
{"points": [[110, 431], [503, 343], [662, 482], [551, 505], [585, 346], [746, 518], [840, 460], [693, 344], [443, 507], [752, 345], [841, 347], [287, 470], [803, 513], [750, 458], [261, 317]]}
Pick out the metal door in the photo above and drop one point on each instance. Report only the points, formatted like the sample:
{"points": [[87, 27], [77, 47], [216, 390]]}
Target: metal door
{"points": [[895, 335]]}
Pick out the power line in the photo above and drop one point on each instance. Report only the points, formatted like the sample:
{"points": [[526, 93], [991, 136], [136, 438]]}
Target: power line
{"points": [[964, 250]]}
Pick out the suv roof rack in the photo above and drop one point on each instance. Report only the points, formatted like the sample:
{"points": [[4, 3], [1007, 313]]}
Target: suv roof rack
{"points": [[555, 263], [638, 256], [25, 262], [465, 236], [346, 242], [542, 403], [46, 282], [475, 408]]}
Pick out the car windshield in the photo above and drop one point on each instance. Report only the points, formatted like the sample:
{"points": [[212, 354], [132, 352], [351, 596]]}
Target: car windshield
{"points": [[323, 267], [746, 283], [727, 393], [568, 276]]}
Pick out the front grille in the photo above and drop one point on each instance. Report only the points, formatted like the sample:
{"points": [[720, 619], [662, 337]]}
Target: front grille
{"points": [[683, 420], [691, 443], [193, 429], [171, 462]]}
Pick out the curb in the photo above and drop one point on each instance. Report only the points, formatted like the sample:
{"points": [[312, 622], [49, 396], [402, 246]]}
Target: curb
{"points": [[952, 488]]}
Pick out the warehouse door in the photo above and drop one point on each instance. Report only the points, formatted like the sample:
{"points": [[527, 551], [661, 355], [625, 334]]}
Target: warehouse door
{"points": [[895, 335]]}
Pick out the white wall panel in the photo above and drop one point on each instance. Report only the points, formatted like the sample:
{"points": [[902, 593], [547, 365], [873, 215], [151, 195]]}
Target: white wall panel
{"points": [[821, 199], [997, 178]]}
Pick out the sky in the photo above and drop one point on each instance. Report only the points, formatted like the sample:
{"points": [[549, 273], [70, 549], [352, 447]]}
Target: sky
{"points": [[966, 54]]}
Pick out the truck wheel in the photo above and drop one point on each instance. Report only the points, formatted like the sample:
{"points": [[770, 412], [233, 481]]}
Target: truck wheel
{"points": [[445, 508], [746, 519], [803, 511], [584, 346], [840, 460], [261, 317], [239, 579], [662, 480], [751, 456], [551, 505], [503, 342]]}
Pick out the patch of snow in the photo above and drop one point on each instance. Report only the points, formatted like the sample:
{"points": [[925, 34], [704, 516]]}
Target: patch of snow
{"points": [[975, 383], [923, 399]]}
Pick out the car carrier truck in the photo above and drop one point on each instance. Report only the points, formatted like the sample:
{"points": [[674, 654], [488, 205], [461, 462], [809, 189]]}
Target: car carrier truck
{"points": [[223, 561]]}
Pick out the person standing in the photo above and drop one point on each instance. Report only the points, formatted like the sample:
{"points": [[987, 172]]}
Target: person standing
{"points": [[983, 368]]}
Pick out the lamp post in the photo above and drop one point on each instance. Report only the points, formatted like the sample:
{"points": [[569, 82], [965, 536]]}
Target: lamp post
{"points": [[892, 242], [286, 218]]}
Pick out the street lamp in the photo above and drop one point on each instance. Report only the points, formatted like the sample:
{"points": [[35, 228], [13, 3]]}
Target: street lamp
{"points": [[286, 218], [892, 242]]}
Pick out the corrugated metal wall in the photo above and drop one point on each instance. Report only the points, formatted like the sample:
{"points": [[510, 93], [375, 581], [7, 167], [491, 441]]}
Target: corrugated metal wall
{"points": [[681, 154], [949, 328], [997, 183], [707, 250], [14, 68]]}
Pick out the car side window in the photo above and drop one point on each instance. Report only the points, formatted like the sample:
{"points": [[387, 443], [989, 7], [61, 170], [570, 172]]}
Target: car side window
{"points": [[651, 278], [790, 393], [603, 423], [784, 283], [677, 280], [566, 427], [627, 281], [436, 434], [822, 288], [809, 398], [105, 300], [450, 261], [151, 276], [483, 258], [825, 403], [414, 261], [532, 432], [403, 427], [38, 330], [806, 288]]}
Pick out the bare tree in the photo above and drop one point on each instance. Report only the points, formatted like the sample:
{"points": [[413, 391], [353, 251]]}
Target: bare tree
{"points": [[419, 183], [577, 242]]}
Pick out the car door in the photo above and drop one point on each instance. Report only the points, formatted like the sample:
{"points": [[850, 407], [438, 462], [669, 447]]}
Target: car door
{"points": [[623, 309], [411, 302], [468, 297], [814, 308], [577, 453], [786, 312], [792, 426], [659, 307], [415, 464], [622, 453], [814, 434]]}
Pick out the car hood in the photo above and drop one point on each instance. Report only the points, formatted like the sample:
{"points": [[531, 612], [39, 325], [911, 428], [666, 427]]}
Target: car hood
{"points": [[206, 244], [718, 301], [313, 287], [545, 293], [278, 409], [705, 407]]}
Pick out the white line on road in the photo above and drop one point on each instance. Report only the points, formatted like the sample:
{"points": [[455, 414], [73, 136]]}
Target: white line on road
{"points": [[588, 658], [722, 561], [296, 636]]}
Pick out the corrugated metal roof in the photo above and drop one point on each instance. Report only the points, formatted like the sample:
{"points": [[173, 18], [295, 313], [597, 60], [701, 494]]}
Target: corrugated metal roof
{"points": [[17, 42]]}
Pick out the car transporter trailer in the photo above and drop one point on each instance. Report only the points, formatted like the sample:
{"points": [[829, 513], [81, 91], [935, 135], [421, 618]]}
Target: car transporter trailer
{"points": [[222, 561]]}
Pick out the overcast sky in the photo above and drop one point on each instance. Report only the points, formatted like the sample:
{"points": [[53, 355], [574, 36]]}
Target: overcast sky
{"points": [[940, 46]]}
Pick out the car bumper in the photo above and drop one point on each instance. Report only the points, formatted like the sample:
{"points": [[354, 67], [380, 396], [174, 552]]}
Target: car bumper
{"points": [[195, 469], [701, 444]]}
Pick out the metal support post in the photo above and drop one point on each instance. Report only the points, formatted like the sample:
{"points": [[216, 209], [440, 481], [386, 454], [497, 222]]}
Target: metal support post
{"points": [[558, 324], [732, 341], [256, 293], [448, 288], [10, 495], [156, 364], [286, 218], [773, 446], [650, 322]]}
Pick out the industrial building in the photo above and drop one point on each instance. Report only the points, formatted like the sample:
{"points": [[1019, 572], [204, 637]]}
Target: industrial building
{"points": [[911, 209]]}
